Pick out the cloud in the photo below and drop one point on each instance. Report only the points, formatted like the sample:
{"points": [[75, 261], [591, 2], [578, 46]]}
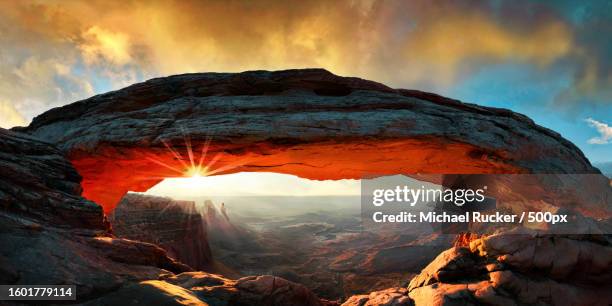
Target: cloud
{"points": [[36, 84], [412, 44], [38, 61], [591, 64], [603, 129], [9, 116], [103, 45], [462, 42]]}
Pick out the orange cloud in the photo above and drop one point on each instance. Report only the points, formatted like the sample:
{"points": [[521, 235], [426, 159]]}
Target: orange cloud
{"points": [[165, 37], [99, 44], [403, 43], [444, 45]]}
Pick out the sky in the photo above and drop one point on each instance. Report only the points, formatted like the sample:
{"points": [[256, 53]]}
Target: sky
{"points": [[550, 60], [252, 184]]}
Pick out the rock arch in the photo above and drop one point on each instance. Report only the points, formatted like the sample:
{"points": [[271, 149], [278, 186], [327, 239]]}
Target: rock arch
{"points": [[310, 123]]}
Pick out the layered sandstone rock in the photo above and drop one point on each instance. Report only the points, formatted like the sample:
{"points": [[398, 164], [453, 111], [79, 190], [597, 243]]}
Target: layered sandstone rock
{"points": [[308, 122], [510, 268], [175, 226], [37, 182], [49, 234]]}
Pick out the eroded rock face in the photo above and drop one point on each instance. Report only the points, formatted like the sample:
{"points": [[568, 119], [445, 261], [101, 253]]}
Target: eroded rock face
{"points": [[49, 234], [511, 268], [37, 182], [308, 122], [176, 226]]}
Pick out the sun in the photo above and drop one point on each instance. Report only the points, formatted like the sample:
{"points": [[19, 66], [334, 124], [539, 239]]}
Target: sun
{"points": [[195, 167], [196, 172]]}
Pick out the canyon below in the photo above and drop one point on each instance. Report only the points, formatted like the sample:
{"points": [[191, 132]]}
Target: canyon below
{"points": [[72, 211], [315, 241]]}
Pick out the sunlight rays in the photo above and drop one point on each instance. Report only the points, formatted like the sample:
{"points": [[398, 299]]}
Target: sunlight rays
{"points": [[193, 169], [176, 154], [204, 151]]}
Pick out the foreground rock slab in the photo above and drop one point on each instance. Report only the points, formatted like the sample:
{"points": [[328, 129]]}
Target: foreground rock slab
{"points": [[510, 268], [199, 288]]}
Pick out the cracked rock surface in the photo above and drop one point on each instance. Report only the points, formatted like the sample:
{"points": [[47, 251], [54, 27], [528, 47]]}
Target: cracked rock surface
{"points": [[510, 268]]}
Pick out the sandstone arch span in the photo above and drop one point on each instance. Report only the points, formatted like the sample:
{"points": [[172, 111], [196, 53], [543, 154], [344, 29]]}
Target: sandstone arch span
{"points": [[310, 123]]}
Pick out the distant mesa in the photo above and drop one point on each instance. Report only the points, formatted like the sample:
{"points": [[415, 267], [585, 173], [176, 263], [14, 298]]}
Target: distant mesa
{"points": [[176, 226]]}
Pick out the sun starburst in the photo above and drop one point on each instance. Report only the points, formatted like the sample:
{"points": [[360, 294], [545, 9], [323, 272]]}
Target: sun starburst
{"points": [[194, 166]]}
